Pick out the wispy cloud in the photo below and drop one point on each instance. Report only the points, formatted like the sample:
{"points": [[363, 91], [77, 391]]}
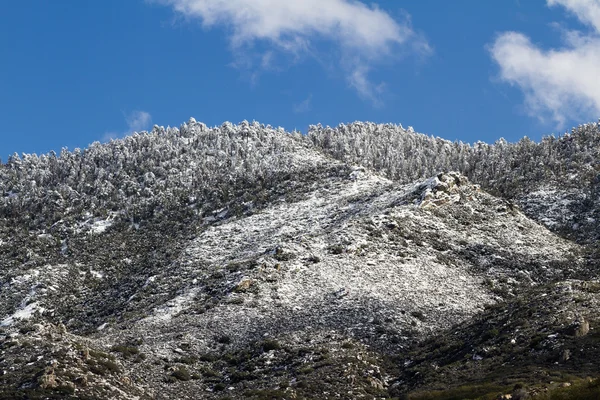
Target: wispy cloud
{"points": [[303, 106], [136, 121], [560, 83], [358, 79], [587, 11], [108, 136], [363, 35]]}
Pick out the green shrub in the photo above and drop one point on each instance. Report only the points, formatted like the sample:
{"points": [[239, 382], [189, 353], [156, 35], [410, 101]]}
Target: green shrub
{"points": [[582, 390], [187, 360], [104, 366], [219, 387], [182, 374], [101, 354], [305, 370], [418, 315], [126, 351], [266, 394], [481, 392], [269, 345], [208, 357], [224, 339], [490, 334], [336, 249]]}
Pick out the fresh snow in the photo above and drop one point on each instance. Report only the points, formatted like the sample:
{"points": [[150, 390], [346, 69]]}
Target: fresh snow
{"points": [[172, 307], [25, 311], [22, 314], [380, 275], [100, 226]]}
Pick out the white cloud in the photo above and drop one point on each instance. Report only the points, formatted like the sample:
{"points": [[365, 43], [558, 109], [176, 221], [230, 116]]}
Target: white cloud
{"points": [[303, 106], [136, 121], [563, 82], [108, 136], [358, 79], [365, 35], [587, 11]]}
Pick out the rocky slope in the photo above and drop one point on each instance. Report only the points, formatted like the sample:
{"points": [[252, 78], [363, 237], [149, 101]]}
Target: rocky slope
{"points": [[556, 181], [305, 277]]}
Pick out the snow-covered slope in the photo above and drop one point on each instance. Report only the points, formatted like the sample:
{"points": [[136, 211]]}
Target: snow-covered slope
{"points": [[364, 245], [242, 261], [362, 257]]}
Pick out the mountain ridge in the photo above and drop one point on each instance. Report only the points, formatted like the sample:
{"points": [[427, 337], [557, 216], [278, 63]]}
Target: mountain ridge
{"points": [[242, 261], [570, 163]]}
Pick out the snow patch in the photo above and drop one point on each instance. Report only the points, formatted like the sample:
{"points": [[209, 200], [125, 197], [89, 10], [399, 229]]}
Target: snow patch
{"points": [[100, 226], [172, 307], [22, 314], [96, 274]]}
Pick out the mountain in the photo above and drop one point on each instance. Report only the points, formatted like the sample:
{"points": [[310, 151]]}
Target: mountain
{"points": [[243, 261]]}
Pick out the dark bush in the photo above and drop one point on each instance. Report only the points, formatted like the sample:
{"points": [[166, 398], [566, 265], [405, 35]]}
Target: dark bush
{"points": [[182, 374], [269, 345]]}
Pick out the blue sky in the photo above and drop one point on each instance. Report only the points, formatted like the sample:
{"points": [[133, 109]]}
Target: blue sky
{"points": [[73, 72]]}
